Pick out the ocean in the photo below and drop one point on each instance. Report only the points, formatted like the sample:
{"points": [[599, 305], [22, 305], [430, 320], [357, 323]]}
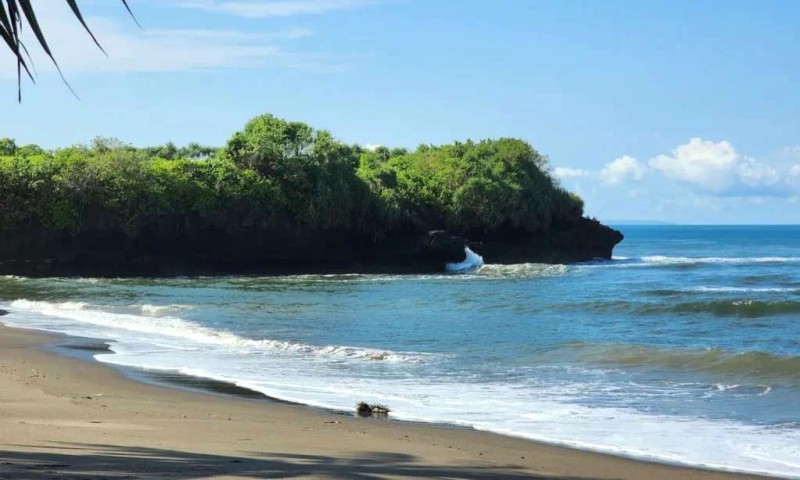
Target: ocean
{"points": [[685, 348]]}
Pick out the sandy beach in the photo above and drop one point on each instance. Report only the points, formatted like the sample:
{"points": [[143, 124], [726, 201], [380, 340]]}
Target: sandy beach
{"points": [[67, 418]]}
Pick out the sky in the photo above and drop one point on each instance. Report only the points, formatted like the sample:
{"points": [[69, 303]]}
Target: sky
{"points": [[683, 111]]}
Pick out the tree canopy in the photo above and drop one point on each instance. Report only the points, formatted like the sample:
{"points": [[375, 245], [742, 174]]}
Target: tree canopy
{"points": [[275, 171]]}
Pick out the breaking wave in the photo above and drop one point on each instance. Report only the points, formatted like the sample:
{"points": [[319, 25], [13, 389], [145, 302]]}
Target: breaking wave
{"points": [[152, 322], [471, 261]]}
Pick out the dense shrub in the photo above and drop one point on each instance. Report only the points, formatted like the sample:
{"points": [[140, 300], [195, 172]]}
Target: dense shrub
{"points": [[274, 169], [470, 187]]}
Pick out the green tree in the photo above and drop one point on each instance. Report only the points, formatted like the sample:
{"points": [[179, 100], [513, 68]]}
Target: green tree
{"points": [[29, 150], [8, 146], [167, 151], [270, 144], [316, 173], [469, 187], [196, 151], [106, 144]]}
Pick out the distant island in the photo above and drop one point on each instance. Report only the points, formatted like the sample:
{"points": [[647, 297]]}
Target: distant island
{"points": [[282, 197]]}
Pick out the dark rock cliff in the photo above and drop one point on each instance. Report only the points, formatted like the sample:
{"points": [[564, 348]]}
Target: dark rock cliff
{"points": [[172, 246], [581, 241]]}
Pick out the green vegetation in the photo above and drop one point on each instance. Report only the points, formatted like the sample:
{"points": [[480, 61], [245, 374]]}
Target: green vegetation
{"points": [[274, 173], [469, 187]]}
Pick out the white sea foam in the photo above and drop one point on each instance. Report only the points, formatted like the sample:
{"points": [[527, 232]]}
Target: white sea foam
{"points": [[711, 289], [661, 259], [723, 387], [158, 310], [521, 270], [476, 271], [666, 261], [471, 261], [113, 325]]}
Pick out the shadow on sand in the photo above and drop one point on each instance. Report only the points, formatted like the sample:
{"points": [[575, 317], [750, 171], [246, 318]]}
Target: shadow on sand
{"points": [[92, 462]]}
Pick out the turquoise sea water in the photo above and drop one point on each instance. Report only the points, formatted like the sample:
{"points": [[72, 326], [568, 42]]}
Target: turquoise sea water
{"points": [[685, 348]]}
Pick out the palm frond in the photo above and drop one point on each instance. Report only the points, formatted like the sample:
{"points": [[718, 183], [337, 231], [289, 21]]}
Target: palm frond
{"points": [[15, 13], [127, 7], [73, 4]]}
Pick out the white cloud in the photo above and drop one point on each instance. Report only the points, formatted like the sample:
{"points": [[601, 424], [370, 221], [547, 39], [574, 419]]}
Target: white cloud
{"points": [[372, 146], [717, 167], [793, 176], [263, 9], [566, 172], [755, 174], [791, 152], [708, 165], [711, 169], [168, 50], [622, 169]]}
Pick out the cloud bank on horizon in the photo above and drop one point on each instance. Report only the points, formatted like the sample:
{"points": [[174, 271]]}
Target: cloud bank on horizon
{"points": [[705, 166], [709, 173]]}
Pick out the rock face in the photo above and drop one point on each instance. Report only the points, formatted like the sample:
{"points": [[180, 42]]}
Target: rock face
{"points": [[186, 246], [582, 241]]}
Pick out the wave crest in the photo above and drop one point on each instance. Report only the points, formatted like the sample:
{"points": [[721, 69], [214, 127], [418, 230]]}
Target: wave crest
{"points": [[178, 328], [471, 261], [686, 262], [729, 308], [754, 364]]}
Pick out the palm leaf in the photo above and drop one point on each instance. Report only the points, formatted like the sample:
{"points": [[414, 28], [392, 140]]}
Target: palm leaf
{"points": [[73, 4], [127, 7], [33, 23], [30, 60], [12, 15], [8, 36], [27, 9]]}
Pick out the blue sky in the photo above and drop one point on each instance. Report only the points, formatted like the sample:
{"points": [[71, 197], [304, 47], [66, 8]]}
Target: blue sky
{"points": [[681, 111]]}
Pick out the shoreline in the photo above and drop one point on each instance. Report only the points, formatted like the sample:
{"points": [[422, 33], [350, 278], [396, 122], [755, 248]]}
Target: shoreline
{"points": [[50, 421]]}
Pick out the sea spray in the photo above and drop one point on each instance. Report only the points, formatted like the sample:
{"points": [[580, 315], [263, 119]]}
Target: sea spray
{"points": [[471, 261]]}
